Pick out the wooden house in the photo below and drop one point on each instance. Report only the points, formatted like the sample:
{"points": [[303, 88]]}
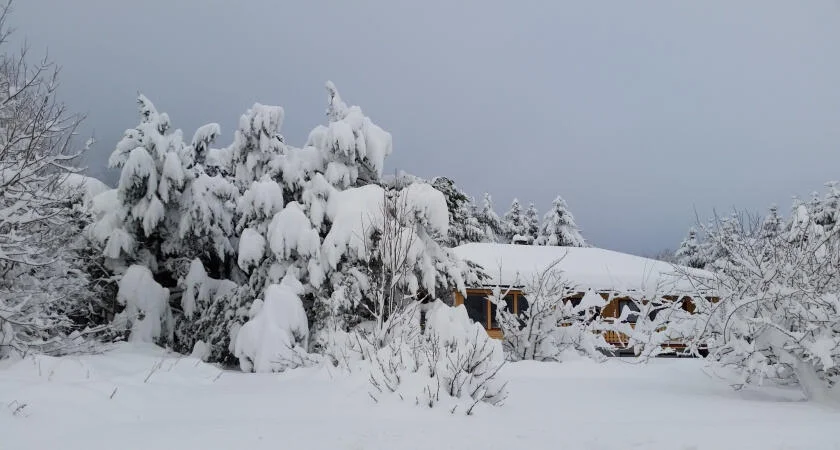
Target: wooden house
{"points": [[613, 275]]}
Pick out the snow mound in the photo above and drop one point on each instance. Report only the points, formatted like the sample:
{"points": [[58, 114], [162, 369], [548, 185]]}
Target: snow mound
{"points": [[290, 231], [276, 335], [251, 249], [85, 186], [146, 305], [355, 214]]}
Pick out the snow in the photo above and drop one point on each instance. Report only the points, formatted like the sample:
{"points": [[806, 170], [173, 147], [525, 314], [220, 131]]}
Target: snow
{"points": [[146, 304], [453, 324], [290, 231], [173, 175], [427, 202], [355, 214], [264, 197], [89, 187], [591, 300], [583, 267], [277, 328], [138, 396], [139, 172], [205, 134], [251, 248]]}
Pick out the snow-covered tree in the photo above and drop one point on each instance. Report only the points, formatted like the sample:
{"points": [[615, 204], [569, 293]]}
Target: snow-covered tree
{"points": [[489, 221], [690, 253], [320, 217], [211, 313], [827, 214], [515, 224], [532, 223], [772, 224], [167, 209], [208, 204], [559, 227], [42, 281], [778, 311], [464, 226]]}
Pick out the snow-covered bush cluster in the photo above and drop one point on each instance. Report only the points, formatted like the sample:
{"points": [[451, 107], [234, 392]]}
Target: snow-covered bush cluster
{"points": [[550, 325], [448, 361], [778, 318], [261, 252], [50, 287]]}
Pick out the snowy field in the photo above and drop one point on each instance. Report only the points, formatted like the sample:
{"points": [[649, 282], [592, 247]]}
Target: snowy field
{"points": [[138, 397]]}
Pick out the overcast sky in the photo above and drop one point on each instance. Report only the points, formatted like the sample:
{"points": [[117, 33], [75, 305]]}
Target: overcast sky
{"points": [[638, 113]]}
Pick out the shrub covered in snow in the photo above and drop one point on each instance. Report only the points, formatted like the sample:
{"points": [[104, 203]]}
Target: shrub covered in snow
{"points": [[452, 363], [44, 288], [777, 319], [146, 316], [210, 312], [276, 335], [551, 326]]}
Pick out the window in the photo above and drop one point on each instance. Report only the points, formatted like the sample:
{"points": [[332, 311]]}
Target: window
{"points": [[654, 310], [510, 305], [521, 304], [510, 302], [476, 305], [483, 311]]}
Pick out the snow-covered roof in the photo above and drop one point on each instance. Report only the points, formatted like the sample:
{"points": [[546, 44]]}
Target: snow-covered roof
{"points": [[582, 267], [89, 187]]}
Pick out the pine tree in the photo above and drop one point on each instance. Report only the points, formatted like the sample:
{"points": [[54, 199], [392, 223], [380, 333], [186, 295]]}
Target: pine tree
{"points": [[515, 224], [559, 227], [689, 252], [317, 218], [166, 212], [464, 226], [152, 161], [827, 214], [771, 226], [532, 222], [489, 221]]}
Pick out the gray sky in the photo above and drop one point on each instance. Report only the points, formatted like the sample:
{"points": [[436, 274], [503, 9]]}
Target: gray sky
{"points": [[638, 112]]}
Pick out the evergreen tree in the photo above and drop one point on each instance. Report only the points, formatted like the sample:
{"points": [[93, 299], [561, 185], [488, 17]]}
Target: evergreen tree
{"points": [[166, 212], [317, 219], [559, 227], [771, 226], [827, 213], [532, 222], [491, 224], [464, 226], [689, 252], [153, 173], [515, 224]]}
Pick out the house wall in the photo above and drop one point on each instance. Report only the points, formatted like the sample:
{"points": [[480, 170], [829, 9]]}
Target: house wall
{"points": [[610, 310]]}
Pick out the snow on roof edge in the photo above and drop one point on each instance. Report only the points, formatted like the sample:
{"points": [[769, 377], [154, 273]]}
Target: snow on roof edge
{"points": [[584, 267]]}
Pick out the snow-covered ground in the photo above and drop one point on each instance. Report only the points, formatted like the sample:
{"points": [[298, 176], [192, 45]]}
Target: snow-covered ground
{"points": [[139, 397]]}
